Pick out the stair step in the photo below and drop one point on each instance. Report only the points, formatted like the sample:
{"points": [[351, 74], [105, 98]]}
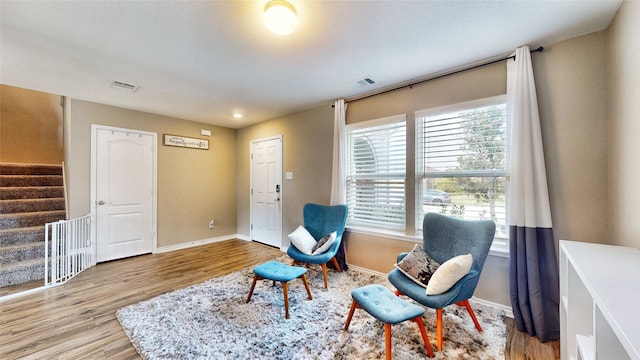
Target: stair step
{"points": [[30, 169], [30, 180], [8, 221], [21, 272], [23, 235], [31, 192], [22, 252], [30, 205]]}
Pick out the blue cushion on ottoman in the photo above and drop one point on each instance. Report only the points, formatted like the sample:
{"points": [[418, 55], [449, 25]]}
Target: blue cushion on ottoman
{"points": [[385, 306], [277, 271]]}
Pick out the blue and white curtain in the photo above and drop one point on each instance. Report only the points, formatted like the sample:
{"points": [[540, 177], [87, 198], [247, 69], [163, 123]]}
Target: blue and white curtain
{"points": [[338, 186], [534, 280]]}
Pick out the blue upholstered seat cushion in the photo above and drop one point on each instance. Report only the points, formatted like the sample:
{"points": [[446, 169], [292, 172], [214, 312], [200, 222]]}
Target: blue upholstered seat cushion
{"points": [[385, 306], [277, 271]]}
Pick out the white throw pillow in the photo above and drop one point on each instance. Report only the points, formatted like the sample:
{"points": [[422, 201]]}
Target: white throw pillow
{"points": [[302, 240], [324, 244], [449, 273]]}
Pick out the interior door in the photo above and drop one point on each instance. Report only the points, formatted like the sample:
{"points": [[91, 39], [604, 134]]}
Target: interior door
{"points": [[266, 191], [124, 192]]}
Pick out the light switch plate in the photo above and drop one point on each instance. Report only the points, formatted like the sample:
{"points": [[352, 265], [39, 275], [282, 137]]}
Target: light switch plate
{"points": [[288, 175]]}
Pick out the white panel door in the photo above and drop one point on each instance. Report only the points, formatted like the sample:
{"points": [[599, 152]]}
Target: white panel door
{"points": [[124, 193], [266, 191]]}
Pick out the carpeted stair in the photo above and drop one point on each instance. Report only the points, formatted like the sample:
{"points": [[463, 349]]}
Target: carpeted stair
{"points": [[30, 196]]}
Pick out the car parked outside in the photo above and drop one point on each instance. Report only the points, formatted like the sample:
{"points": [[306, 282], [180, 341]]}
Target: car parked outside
{"points": [[435, 197]]}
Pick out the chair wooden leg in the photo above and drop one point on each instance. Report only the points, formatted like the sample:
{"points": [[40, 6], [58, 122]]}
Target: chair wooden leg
{"points": [[387, 340], [253, 285], [306, 286], [425, 337], [324, 274], [466, 304], [439, 329], [335, 263], [285, 289], [354, 306]]}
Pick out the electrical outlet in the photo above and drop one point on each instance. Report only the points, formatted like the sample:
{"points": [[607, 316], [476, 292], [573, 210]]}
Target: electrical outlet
{"points": [[211, 224]]}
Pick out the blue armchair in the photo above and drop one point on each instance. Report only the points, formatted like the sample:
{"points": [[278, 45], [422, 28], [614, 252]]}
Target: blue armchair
{"points": [[443, 238], [321, 220]]}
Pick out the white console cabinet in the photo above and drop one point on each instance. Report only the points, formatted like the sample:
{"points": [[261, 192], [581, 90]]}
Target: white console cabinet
{"points": [[599, 302]]}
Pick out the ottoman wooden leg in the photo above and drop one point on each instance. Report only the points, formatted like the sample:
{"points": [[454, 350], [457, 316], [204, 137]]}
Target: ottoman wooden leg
{"points": [[285, 289], [306, 286], [253, 285], [387, 340], [354, 306], [425, 338]]}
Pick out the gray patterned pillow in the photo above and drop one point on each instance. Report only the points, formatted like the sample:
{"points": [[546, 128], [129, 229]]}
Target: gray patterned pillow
{"points": [[418, 266]]}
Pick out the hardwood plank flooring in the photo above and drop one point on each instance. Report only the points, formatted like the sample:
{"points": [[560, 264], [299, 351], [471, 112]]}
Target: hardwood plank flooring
{"points": [[77, 320]]}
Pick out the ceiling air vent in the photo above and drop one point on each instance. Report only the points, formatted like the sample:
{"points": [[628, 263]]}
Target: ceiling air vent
{"points": [[123, 86], [364, 82]]}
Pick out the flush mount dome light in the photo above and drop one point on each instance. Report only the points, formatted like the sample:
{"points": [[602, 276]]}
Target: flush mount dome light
{"points": [[280, 17]]}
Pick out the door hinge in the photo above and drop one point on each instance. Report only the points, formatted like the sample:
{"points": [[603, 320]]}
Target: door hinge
{"points": [[251, 191], [251, 226]]}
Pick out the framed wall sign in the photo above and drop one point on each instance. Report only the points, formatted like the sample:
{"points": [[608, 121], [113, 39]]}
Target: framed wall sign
{"points": [[181, 141]]}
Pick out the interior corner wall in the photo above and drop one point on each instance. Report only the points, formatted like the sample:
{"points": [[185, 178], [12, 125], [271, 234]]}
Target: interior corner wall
{"points": [[624, 126], [571, 83], [194, 185], [30, 126], [307, 150]]}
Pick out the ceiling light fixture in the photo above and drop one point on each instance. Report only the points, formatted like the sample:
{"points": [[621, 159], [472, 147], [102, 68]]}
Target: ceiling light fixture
{"points": [[280, 17]]}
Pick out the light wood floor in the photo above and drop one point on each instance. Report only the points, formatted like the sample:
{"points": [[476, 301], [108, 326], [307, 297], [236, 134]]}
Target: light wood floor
{"points": [[77, 320]]}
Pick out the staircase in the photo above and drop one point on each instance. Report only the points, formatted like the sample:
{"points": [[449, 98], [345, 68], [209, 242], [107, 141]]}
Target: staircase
{"points": [[30, 196]]}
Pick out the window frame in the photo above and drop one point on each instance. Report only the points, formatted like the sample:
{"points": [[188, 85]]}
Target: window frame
{"points": [[389, 120], [500, 244]]}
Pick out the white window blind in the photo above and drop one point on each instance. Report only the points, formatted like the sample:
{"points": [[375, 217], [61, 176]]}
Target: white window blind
{"points": [[376, 171], [461, 164]]}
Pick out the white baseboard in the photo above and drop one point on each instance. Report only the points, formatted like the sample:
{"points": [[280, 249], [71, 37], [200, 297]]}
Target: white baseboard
{"points": [[507, 309], [190, 244], [243, 237]]}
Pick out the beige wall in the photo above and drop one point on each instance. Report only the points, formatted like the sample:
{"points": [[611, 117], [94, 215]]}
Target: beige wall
{"points": [[307, 150], [30, 126], [624, 125], [193, 185], [571, 84]]}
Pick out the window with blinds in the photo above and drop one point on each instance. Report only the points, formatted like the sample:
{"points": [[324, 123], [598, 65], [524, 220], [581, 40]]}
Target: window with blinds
{"points": [[375, 173], [461, 165]]}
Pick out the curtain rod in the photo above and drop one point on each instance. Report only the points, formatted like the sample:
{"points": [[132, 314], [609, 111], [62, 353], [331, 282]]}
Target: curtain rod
{"points": [[411, 85]]}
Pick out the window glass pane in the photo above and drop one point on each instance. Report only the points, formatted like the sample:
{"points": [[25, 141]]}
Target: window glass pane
{"points": [[376, 168], [461, 164]]}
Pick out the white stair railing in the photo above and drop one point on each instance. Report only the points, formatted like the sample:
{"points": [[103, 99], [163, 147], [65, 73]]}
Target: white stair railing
{"points": [[68, 249]]}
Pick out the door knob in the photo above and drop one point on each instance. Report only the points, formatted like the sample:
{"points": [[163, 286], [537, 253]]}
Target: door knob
{"points": [[278, 198], [100, 202]]}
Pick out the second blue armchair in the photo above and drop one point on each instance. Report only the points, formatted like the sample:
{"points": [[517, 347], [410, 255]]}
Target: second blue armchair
{"points": [[321, 220]]}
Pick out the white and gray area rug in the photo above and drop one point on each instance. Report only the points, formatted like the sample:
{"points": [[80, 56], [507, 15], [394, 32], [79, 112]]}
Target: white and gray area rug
{"points": [[212, 321]]}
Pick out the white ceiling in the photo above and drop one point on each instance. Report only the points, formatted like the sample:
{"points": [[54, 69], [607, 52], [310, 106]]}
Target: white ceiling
{"points": [[202, 61]]}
